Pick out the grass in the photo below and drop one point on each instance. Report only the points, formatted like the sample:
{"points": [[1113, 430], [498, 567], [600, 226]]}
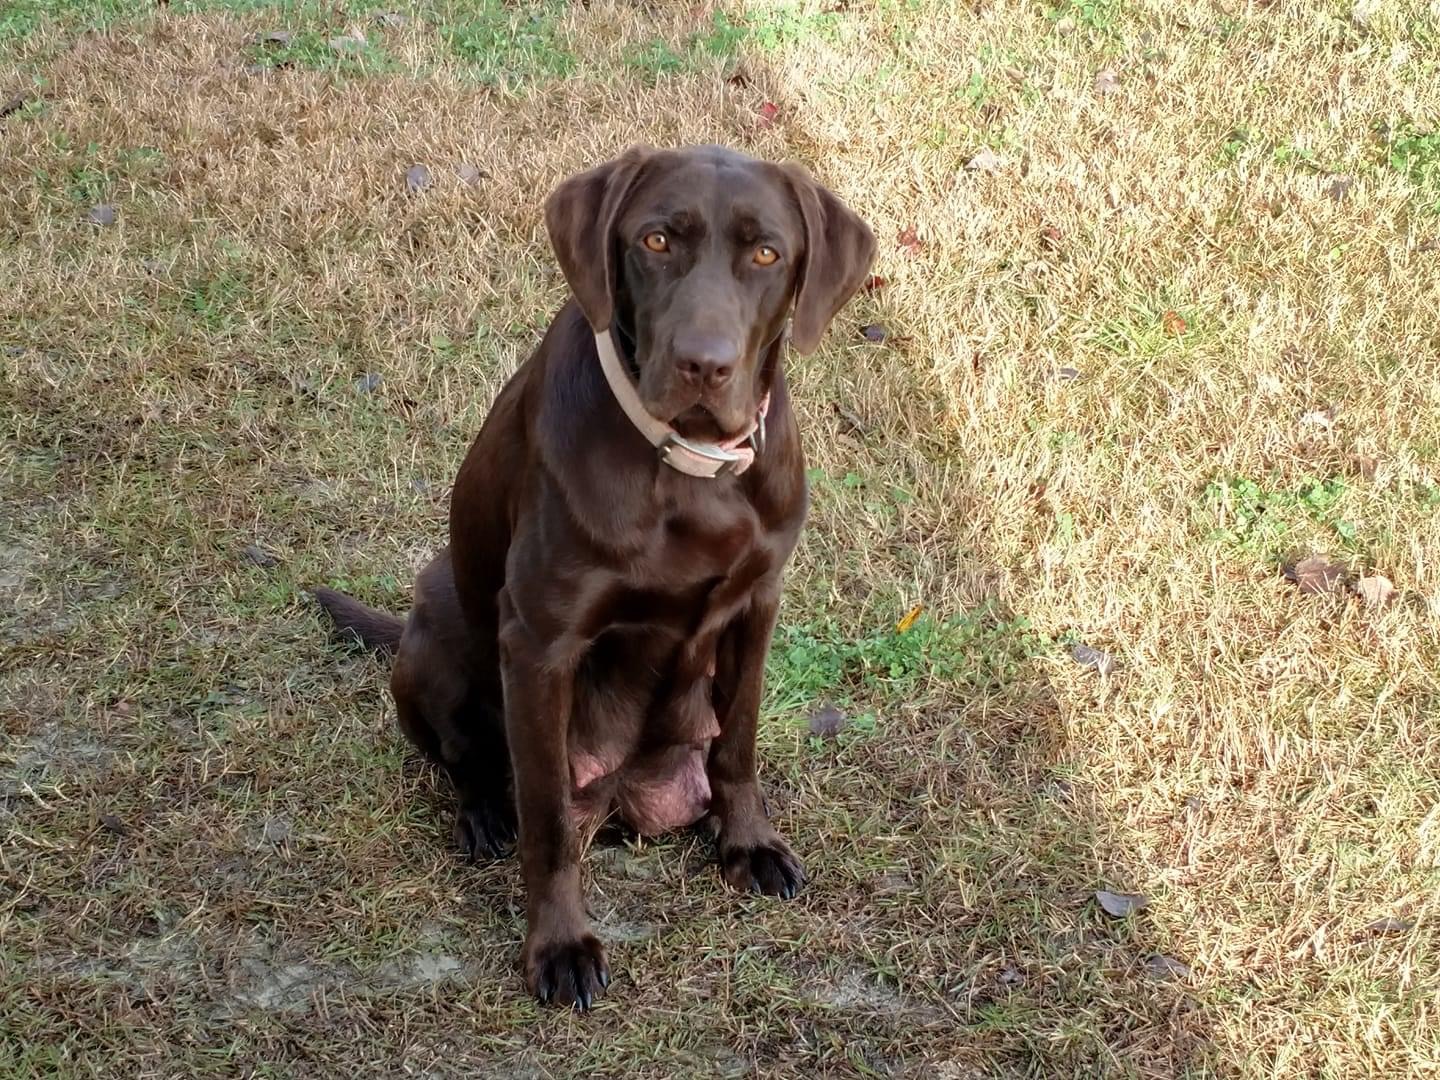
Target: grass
{"points": [[1142, 355]]}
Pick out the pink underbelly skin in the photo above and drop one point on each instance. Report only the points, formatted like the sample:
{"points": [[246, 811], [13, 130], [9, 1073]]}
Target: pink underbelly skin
{"points": [[655, 791]]}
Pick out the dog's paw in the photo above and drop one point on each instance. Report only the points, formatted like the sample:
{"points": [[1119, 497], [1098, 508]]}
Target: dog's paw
{"points": [[484, 831], [570, 972], [770, 868]]}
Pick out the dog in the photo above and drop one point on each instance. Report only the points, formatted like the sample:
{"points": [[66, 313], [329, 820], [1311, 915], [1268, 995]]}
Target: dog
{"points": [[592, 641]]}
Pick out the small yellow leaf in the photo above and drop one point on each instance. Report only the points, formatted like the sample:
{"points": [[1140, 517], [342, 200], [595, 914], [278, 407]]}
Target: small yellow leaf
{"points": [[909, 619]]}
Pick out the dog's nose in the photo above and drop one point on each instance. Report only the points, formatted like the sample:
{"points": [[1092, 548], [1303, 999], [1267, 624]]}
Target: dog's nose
{"points": [[706, 360]]}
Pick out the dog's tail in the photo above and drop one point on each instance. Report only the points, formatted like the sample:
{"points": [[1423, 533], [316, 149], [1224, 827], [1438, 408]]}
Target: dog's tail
{"points": [[375, 629]]}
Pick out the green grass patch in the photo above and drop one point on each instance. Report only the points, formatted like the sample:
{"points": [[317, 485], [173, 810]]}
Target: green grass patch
{"points": [[974, 649], [506, 45], [1249, 515], [1416, 154]]}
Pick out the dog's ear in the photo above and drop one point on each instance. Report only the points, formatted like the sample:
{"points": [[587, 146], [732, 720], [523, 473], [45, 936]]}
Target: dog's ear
{"points": [[838, 250], [580, 217]]}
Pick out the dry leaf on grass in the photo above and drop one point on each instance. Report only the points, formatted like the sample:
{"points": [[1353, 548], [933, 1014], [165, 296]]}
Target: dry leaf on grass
{"points": [[349, 43], [910, 240], [827, 722], [471, 174], [1166, 967], [1173, 322], [1315, 574], [1389, 925], [1376, 590], [1119, 905], [769, 111], [850, 423], [1107, 82], [1091, 657], [258, 556], [909, 619], [985, 160], [417, 179]]}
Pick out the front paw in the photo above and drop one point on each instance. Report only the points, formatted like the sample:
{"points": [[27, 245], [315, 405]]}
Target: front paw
{"points": [[769, 867], [568, 972], [484, 830]]}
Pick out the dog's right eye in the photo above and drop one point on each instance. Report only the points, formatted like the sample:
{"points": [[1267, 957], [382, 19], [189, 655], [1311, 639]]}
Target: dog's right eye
{"points": [[657, 242]]}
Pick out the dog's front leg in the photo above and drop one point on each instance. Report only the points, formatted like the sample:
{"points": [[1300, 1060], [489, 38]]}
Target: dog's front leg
{"points": [[752, 854], [563, 960]]}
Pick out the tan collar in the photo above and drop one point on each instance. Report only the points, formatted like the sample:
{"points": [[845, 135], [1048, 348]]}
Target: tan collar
{"points": [[706, 460]]}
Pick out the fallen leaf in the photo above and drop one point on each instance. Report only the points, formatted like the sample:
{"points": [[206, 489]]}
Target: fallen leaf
{"points": [[101, 214], [768, 112], [874, 282], [1107, 82], [985, 160], [850, 424], [1363, 12], [391, 20], [1339, 188], [276, 831], [1120, 905], [909, 619], [368, 383], [1365, 465], [1166, 967], [1389, 925], [275, 37], [826, 722], [873, 332], [910, 240], [1173, 322], [113, 824], [417, 179], [1376, 590], [349, 43], [1050, 238], [1065, 26], [1014, 74], [471, 174], [1315, 574], [1091, 657], [258, 556]]}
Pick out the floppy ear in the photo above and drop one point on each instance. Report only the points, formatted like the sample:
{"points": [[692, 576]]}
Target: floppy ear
{"points": [[838, 250], [580, 217]]}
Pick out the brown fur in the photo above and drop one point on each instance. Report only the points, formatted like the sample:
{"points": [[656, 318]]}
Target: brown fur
{"points": [[593, 638]]}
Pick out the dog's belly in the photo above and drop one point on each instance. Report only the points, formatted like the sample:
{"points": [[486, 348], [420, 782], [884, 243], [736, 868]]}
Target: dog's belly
{"points": [[637, 752]]}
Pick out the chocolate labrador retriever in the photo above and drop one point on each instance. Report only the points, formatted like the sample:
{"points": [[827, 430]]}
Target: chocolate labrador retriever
{"points": [[592, 641]]}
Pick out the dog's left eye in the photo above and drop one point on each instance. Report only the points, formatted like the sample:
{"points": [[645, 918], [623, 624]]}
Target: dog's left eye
{"points": [[765, 255]]}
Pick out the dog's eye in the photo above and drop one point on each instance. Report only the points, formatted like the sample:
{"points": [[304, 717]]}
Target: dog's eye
{"points": [[657, 242], [765, 255]]}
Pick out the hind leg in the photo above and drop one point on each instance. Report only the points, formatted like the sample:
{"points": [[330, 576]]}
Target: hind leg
{"points": [[442, 714]]}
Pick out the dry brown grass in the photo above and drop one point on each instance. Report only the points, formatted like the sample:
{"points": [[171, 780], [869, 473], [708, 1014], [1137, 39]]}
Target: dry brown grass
{"points": [[215, 855]]}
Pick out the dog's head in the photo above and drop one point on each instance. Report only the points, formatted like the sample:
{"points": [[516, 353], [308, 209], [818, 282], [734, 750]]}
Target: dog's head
{"points": [[695, 258]]}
